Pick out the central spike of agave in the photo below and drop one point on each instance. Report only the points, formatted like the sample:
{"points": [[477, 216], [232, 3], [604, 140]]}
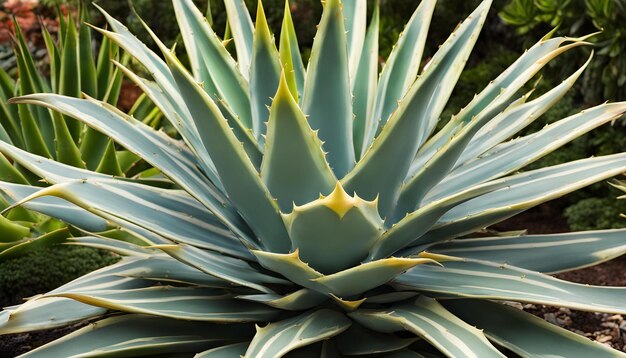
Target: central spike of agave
{"points": [[334, 232], [245, 238]]}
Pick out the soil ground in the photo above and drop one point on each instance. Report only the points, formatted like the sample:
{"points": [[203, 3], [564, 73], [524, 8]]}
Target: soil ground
{"points": [[605, 328]]}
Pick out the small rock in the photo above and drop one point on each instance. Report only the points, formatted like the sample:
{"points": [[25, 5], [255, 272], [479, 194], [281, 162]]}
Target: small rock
{"points": [[604, 339]]}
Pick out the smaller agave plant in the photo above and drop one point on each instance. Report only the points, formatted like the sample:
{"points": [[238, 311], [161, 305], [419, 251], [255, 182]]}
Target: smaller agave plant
{"points": [[244, 257], [73, 70]]}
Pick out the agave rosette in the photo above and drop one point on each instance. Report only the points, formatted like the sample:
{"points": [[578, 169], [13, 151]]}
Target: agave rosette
{"points": [[380, 262]]}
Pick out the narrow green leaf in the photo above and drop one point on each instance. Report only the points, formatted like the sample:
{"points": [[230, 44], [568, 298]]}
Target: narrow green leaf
{"points": [[294, 168], [327, 98], [12, 231], [88, 76], [67, 151], [355, 15], [230, 83], [265, 73], [290, 56], [365, 84], [104, 67], [30, 244], [278, 338], [401, 69], [70, 76], [9, 173], [109, 164], [243, 32]]}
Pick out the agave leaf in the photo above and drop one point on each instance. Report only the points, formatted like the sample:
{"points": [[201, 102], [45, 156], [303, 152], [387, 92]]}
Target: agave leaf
{"points": [[54, 58], [70, 75], [9, 173], [350, 227], [302, 299], [365, 84], [67, 151], [265, 72], [30, 244], [524, 191], [230, 82], [104, 67], [227, 351], [51, 206], [345, 283], [157, 149], [38, 136], [184, 303], [487, 280], [355, 15], [428, 319], [9, 116], [166, 95], [108, 163], [88, 76], [422, 220], [401, 68], [227, 268], [327, 98], [525, 334], [515, 76], [384, 166], [443, 150], [32, 81], [278, 338], [367, 276], [172, 111], [12, 233], [239, 177], [242, 31], [122, 248], [139, 335], [294, 168], [543, 253], [290, 57], [501, 160], [358, 340], [171, 214], [515, 118], [35, 314]]}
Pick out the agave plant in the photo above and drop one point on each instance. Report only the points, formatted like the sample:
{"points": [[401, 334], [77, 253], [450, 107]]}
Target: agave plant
{"points": [[341, 227], [73, 69]]}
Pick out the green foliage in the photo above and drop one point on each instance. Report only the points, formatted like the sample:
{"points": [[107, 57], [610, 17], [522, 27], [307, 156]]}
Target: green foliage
{"points": [[596, 213], [606, 78], [45, 269]]}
